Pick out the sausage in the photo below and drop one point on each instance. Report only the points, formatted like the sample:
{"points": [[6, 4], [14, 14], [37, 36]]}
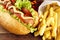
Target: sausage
{"points": [[26, 11]]}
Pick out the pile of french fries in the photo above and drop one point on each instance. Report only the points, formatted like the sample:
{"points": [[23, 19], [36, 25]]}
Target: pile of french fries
{"points": [[47, 27]]}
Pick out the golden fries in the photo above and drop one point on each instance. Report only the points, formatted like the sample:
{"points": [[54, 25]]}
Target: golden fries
{"points": [[36, 33], [47, 34], [54, 27], [49, 28], [45, 14], [43, 26], [48, 25], [47, 7]]}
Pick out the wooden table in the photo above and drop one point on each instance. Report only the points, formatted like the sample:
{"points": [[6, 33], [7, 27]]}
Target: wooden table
{"points": [[16, 37]]}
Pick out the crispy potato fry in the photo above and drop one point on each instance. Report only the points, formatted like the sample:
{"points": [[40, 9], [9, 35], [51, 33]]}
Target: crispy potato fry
{"points": [[43, 38], [54, 5], [58, 13], [48, 22], [54, 27], [57, 10], [50, 36], [52, 22], [42, 28], [36, 33], [40, 17], [49, 19], [58, 33], [45, 14], [49, 28], [47, 7], [47, 34], [40, 24], [51, 11]]}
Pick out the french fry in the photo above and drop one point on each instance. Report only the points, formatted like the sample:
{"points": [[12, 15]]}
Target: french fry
{"points": [[45, 14], [43, 38], [42, 28], [49, 17], [47, 34], [54, 4], [39, 26], [50, 37], [58, 33], [47, 7], [57, 10], [40, 17], [44, 22], [48, 21], [54, 27], [53, 22], [51, 11], [36, 33], [49, 28]]}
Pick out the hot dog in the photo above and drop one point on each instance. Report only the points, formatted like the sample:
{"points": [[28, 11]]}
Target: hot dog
{"points": [[18, 20]]}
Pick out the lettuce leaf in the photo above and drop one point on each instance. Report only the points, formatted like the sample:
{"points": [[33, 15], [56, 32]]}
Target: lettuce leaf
{"points": [[23, 3], [2, 9]]}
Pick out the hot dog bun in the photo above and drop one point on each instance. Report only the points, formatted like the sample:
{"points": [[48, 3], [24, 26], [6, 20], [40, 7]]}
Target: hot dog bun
{"points": [[12, 25]]}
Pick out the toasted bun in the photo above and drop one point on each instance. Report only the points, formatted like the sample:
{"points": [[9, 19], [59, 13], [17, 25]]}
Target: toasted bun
{"points": [[12, 25]]}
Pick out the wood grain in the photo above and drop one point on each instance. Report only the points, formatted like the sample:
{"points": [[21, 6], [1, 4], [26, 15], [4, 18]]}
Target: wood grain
{"points": [[16, 37]]}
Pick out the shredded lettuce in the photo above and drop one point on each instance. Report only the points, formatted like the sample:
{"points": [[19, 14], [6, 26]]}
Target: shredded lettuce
{"points": [[32, 29], [23, 3], [2, 9]]}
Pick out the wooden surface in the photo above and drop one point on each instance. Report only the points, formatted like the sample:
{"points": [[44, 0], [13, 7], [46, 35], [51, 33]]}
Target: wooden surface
{"points": [[16, 37]]}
